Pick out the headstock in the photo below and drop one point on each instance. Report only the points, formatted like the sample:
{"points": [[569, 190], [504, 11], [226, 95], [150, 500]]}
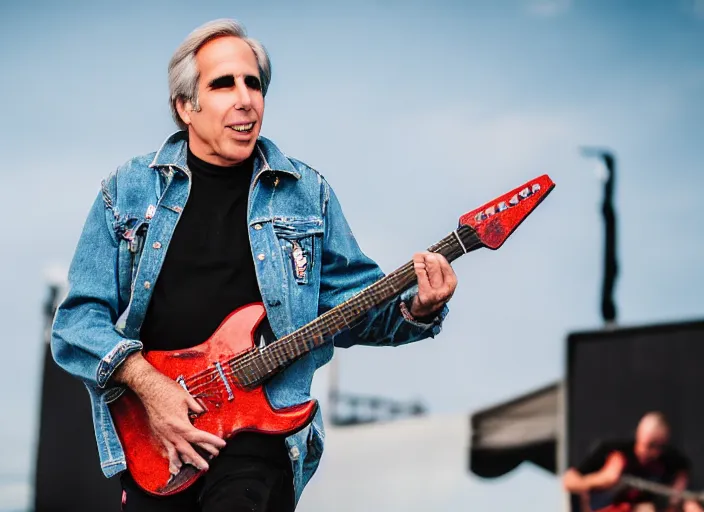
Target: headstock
{"points": [[496, 220]]}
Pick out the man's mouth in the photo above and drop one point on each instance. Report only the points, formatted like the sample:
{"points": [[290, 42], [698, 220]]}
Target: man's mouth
{"points": [[242, 128]]}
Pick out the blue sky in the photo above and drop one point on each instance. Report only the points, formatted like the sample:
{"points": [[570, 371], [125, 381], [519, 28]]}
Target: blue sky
{"points": [[416, 112]]}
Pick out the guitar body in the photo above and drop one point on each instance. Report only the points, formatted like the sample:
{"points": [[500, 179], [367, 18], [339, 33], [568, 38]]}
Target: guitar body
{"points": [[229, 411]]}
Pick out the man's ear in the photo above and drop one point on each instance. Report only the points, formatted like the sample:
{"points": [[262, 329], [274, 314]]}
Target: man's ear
{"points": [[184, 109]]}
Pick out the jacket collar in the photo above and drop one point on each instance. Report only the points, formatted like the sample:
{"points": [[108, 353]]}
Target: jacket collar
{"points": [[267, 157]]}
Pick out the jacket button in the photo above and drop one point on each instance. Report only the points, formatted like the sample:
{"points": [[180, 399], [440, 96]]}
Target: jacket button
{"points": [[257, 227], [147, 285], [261, 257], [157, 245]]}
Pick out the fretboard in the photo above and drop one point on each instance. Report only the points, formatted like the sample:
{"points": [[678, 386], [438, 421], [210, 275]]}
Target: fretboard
{"points": [[256, 366]]}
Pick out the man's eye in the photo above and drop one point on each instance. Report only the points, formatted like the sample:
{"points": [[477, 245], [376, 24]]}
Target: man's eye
{"points": [[253, 83], [222, 82]]}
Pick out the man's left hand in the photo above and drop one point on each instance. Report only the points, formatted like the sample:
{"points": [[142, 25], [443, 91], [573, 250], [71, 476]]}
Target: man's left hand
{"points": [[436, 283]]}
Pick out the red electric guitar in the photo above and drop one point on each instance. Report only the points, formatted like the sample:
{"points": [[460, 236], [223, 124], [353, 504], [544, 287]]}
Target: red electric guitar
{"points": [[228, 370]]}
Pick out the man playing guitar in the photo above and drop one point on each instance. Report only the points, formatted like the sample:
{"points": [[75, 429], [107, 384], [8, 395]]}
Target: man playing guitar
{"points": [[259, 228], [649, 457], [215, 276]]}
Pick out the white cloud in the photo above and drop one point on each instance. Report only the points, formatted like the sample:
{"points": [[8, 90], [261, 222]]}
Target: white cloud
{"points": [[548, 8]]}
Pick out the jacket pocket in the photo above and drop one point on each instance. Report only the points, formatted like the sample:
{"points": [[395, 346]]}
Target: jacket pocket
{"points": [[299, 240], [131, 240]]}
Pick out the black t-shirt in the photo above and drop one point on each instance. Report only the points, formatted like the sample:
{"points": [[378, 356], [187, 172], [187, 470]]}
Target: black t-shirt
{"points": [[662, 470], [207, 273]]}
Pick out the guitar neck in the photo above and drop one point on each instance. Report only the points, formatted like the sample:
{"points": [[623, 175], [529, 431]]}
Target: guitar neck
{"points": [[660, 489], [255, 367]]}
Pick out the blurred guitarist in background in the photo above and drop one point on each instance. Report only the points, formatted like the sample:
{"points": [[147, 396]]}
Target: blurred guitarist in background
{"points": [[648, 457]]}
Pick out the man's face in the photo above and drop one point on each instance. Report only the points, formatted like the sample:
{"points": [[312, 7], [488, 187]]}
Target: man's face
{"points": [[652, 444], [226, 128]]}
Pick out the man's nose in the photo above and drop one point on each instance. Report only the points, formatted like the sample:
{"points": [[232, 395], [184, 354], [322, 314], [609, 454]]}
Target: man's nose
{"points": [[243, 100]]}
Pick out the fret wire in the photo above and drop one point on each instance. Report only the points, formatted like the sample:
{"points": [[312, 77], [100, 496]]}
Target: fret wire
{"points": [[281, 354], [255, 366], [295, 347], [233, 363], [287, 350], [273, 352], [302, 341], [255, 362], [275, 359], [263, 356]]}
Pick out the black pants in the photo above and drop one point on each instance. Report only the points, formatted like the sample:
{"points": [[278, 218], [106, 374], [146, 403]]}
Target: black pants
{"points": [[237, 481]]}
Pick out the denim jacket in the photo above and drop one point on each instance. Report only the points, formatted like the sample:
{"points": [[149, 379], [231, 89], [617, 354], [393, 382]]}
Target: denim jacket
{"points": [[121, 250]]}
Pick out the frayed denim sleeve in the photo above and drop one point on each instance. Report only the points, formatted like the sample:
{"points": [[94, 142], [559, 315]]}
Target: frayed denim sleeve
{"points": [[345, 271], [84, 341]]}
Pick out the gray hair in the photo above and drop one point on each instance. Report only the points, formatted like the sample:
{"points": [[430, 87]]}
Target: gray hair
{"points": [[183, 71]]}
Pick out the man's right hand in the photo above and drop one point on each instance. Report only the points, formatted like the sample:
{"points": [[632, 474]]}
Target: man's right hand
{"points": [[167, 405]]}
